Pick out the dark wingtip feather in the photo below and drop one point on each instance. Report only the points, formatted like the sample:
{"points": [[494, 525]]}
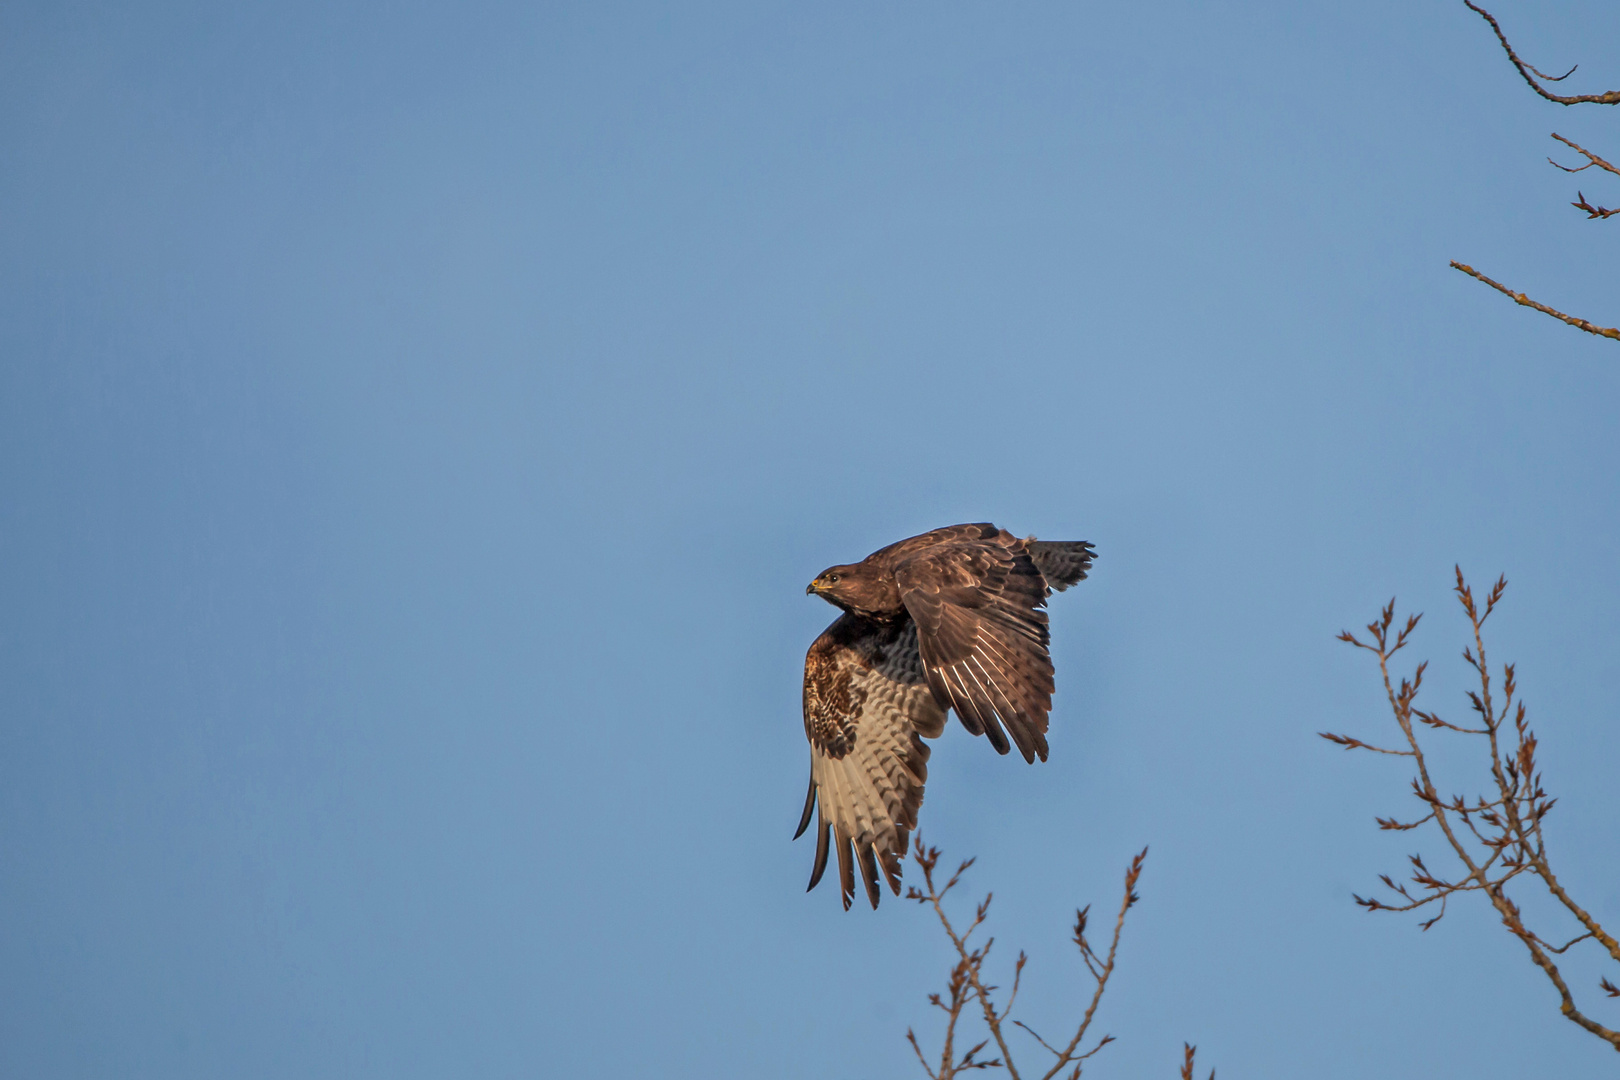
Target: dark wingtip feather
{"points": [[891, 862], [823, 836], [809, 805], [869, 873], [846, 870], [1030, 738], [997, 737]]}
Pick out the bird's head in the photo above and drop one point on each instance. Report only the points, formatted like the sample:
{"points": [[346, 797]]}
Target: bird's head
{"points": [[853, 588], [831, 583]]}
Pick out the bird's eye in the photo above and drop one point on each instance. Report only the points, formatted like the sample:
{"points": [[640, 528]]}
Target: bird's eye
{"points": [[832, 577]]}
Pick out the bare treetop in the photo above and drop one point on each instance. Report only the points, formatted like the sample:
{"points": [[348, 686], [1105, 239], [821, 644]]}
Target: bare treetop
{"points": [[966, 983], [1496, 837]]}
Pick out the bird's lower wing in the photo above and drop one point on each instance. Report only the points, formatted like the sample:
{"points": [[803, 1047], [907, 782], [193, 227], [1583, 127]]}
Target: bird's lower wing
{"points": [[866, 706]]}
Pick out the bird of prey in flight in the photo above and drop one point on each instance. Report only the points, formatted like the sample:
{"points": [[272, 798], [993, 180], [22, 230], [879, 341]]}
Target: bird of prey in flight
{"points": [[951, 619]]}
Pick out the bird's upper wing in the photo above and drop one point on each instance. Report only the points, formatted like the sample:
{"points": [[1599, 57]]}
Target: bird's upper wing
{"points": [[983, 635], [866, 702]]}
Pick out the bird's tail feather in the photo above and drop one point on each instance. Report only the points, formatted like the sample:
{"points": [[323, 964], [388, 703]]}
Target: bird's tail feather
{"points": [[1062, 562]]}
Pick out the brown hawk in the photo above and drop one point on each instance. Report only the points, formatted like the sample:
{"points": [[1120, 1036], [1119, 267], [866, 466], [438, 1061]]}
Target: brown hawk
{"points": [[951, 619]]}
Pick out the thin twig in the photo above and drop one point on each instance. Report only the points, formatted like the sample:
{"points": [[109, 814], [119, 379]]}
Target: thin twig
{"points": [[1599, 212], [1188, 1050], [1068, 1055], [1519, 297], [1591, 158]]}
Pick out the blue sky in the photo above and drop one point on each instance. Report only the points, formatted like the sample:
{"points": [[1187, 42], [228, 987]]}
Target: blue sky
{"points": [[418, 424]]}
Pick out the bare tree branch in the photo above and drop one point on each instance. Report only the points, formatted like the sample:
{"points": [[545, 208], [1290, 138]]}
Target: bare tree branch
{"points": [[1518, 297], [1611, 97]]}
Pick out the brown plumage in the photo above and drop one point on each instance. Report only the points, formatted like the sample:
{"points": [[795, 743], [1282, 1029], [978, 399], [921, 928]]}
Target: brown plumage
{"points": [[951, 619]]}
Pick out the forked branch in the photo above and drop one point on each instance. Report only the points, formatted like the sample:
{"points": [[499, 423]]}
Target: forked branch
{"points": [[1610, 97], [1591, 158]]}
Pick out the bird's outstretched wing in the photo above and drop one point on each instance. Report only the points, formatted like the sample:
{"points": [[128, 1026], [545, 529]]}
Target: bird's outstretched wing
{"points": [[866, 702], [982, 634]]}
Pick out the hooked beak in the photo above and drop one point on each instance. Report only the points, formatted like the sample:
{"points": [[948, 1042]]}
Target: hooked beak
{"points": [[811, 589]]}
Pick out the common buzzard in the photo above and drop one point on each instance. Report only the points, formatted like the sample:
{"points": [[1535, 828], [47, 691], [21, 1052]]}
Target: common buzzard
{"points": [[951, 619]]}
